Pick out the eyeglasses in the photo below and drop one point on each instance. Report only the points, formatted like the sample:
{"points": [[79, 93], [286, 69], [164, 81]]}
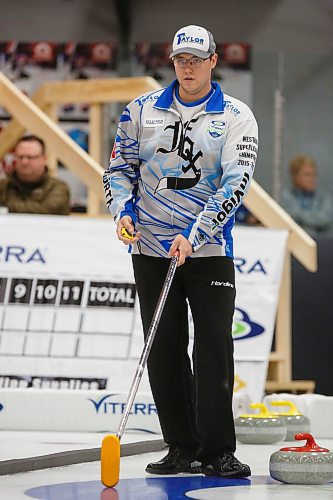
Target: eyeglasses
{"points": [[193, 61], [28, 157]]}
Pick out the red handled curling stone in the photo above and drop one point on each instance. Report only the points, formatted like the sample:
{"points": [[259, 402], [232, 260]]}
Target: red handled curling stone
{"points": [[295, 421], [309, 464], [260, 428]]}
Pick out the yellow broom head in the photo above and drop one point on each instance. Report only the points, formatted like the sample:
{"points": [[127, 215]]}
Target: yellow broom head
{"points": [[110, 460]]}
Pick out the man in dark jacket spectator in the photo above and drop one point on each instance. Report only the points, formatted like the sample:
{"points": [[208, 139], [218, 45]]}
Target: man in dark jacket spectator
{"points": [[30, 188]]}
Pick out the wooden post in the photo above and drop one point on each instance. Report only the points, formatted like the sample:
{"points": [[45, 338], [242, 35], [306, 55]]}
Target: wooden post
{"points": [[52, 161], [95, 134], [283, 325]]}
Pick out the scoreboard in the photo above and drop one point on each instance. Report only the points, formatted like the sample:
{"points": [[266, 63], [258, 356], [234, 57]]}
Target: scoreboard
{"points": [[67, 318]]}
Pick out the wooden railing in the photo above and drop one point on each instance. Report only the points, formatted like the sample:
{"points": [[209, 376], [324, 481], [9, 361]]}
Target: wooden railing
{"points": [[39, 116]]}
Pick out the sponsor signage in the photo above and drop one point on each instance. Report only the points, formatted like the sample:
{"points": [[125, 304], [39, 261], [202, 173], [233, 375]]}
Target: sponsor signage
{"points": [[69, 309]]}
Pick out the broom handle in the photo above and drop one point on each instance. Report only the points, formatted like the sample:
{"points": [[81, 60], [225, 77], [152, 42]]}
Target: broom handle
{"points": [[148, 343]]}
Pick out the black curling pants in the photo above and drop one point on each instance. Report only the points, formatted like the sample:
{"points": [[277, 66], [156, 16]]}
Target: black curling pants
{"points": [[194, 406]]}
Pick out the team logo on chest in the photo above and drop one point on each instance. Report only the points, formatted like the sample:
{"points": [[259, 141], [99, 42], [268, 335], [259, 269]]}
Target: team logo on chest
{"points": [[217, 128], [184, 147]]}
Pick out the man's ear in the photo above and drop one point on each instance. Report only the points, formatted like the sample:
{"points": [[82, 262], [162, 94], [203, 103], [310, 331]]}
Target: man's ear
{"points": [[214, 60]]}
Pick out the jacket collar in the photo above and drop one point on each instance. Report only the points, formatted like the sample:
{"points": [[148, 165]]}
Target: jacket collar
{"points": [[215, 103]]}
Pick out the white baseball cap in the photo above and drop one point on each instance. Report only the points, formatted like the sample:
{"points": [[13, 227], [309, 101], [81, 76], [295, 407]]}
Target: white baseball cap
{"points": [[193, 40]]}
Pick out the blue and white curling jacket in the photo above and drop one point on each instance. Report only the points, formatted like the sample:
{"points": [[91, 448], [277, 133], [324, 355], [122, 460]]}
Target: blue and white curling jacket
{"points": [[182, 178]]}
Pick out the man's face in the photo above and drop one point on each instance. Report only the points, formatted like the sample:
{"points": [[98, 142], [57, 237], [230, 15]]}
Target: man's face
{"points": [[306, 178], [194, 79], [30, 161]]}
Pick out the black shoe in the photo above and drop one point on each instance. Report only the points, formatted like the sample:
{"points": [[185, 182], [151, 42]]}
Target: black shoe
{"points": [[225, 465], [175, 462]]}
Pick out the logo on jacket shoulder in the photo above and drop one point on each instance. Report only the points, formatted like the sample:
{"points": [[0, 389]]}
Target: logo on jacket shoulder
{"points": [[153, 122], [232, 107], [217, 128]]}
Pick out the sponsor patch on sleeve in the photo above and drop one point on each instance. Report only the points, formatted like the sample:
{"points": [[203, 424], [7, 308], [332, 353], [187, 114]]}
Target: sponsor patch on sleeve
{"points": [[113, 152]]}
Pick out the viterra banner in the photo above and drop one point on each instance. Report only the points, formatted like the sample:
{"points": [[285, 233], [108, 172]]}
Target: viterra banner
{"points": [[69, 316]]}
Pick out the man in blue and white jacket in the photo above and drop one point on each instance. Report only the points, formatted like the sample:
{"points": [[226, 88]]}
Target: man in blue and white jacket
{"points": [[181, 165]]}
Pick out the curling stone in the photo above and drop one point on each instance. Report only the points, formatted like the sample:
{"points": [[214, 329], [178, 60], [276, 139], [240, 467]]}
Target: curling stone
{"points": [[260, 428], [309, 464], [295, 421]]}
